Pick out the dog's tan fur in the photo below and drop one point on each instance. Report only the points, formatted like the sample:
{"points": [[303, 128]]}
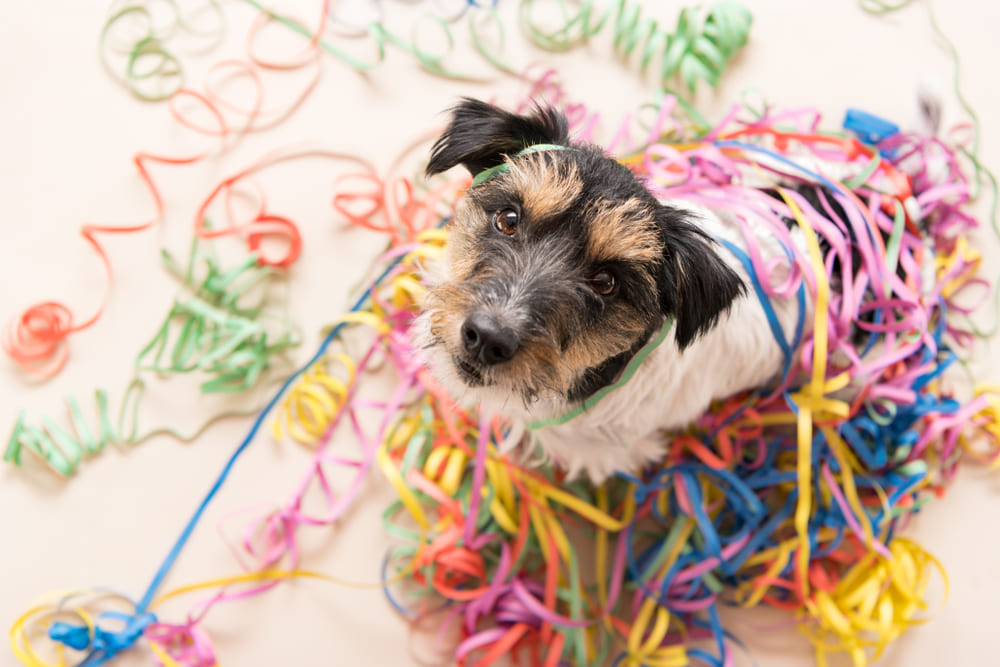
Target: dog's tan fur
{"points": [[469, 222], [545, 190]]}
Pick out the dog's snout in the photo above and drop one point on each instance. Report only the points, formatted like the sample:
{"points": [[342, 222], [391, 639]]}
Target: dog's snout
{"points": [[488, 340]]}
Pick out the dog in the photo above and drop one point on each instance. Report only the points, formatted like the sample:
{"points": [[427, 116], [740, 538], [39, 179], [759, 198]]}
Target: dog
{"points": [[564, 276]]}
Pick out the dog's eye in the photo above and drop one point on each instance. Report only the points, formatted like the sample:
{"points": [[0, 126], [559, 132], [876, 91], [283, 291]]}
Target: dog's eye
{"points": [[603, 282], [506, 221]]}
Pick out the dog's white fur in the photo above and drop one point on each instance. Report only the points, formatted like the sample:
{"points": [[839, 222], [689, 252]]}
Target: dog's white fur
{"points": [[670, 390]]}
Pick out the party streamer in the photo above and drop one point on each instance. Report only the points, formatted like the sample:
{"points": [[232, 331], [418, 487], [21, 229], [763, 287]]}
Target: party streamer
{"points": [[150, 71], [725, 518], [37, 339], [700, 47], [792, 496], [224, 325]]}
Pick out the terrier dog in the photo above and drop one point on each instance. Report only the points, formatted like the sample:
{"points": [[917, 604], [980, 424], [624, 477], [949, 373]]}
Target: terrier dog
{"points": [[563, 272]]}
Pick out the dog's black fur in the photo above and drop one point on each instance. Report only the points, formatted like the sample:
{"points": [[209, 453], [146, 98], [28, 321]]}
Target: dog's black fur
{"points": [[480, 135]]}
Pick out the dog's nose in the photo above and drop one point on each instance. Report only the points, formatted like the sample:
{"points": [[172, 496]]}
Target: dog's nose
{"points": [[486, 339]]}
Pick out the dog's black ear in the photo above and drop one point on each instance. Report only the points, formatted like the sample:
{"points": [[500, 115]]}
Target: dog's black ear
{"points": [[696, 285], [480, 134]]}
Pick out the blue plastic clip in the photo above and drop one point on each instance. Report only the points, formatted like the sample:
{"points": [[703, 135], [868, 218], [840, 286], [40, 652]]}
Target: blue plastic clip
{"points": [[869, 128]]}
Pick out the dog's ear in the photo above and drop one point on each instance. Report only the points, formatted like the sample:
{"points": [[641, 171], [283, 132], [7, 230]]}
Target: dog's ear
{"points": [[480, 134], [696, 285]]}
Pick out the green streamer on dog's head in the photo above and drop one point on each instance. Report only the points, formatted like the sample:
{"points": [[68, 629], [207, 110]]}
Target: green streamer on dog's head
{"points": [[504, 167]]}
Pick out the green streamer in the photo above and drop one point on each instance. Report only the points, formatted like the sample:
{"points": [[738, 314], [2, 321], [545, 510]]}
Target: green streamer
{"points": [[152, 73], [210, 329], [699, 48]]}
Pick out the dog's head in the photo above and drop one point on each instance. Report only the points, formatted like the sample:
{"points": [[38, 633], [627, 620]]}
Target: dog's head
{"points": [[560, 264]]}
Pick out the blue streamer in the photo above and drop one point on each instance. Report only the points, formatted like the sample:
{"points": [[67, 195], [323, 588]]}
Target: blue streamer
{"points": [[105, 644]]}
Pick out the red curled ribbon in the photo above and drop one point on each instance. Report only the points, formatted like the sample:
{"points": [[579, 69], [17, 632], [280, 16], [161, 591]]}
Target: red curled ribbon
{"points": [[272, 225], [35, 339]]}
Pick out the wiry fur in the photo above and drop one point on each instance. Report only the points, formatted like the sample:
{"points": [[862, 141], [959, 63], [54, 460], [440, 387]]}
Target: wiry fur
{"points": [[581, 213]]}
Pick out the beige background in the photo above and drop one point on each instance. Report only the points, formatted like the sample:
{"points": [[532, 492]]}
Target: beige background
{"points": [[67, 134]]}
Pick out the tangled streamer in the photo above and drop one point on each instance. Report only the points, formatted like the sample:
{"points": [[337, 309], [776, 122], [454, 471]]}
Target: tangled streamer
{"points": [[150, 71], [699, 49], [788, 496], [736, 513], [314, 402], [210, 329]]}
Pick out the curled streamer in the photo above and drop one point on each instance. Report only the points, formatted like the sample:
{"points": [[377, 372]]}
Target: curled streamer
{"points": [[699, 49], [314, 402], [217, 327], [37, 339], [62, 450], [847, 614], [745, 506], [727, 513], [151, 72]]}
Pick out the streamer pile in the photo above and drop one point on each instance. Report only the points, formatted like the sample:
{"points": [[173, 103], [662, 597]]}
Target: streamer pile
{"points": [[788, 496]]}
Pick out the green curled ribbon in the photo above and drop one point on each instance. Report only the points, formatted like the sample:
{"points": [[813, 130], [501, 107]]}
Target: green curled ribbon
{"points": [[699, 48], [210, 329], [152, 73]]}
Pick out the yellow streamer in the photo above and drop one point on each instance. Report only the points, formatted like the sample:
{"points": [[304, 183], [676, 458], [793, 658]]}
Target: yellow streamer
{"points": [[811, 400], [409, 500], [82, 604], [970, 258], [314, 402], [875, 602]]}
